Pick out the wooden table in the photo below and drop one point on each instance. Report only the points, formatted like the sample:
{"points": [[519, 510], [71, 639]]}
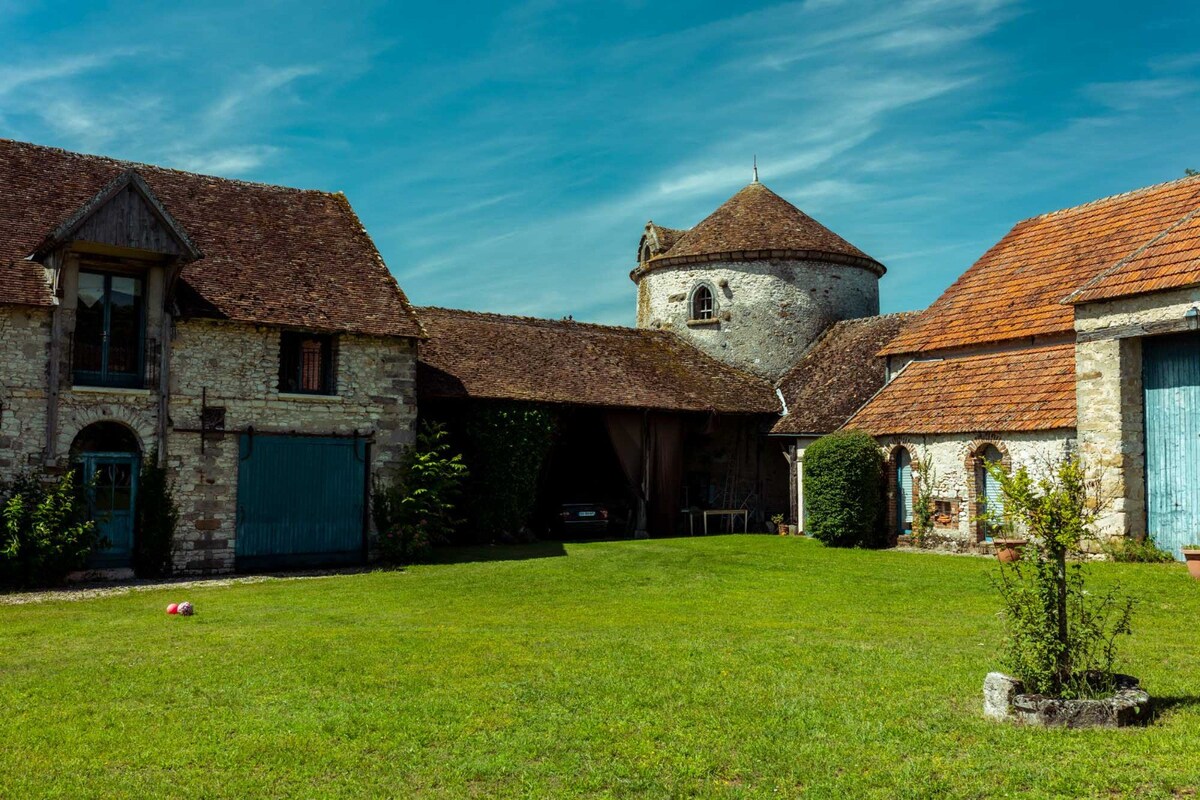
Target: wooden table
{"points": [[732, 513]]}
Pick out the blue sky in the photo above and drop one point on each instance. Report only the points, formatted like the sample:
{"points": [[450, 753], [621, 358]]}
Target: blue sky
{"points": [[505, 158]]}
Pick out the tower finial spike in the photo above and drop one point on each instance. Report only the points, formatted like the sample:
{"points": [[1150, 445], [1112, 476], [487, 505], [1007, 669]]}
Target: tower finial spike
{"points": [[756, 168]]}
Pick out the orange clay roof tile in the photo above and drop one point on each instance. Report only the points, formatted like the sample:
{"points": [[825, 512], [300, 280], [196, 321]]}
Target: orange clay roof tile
{"points": [[1031, 389], [1016, 289]]}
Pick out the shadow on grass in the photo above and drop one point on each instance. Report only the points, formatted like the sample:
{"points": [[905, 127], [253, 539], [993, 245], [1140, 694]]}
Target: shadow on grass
{"points": [[1160, 706], [497, 552]]}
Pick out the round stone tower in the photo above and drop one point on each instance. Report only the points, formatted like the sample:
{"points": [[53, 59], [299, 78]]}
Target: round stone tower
{"points": [[754, 283]]}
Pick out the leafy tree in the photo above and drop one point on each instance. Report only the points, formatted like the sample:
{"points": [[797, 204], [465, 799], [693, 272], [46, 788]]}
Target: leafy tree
{"points": [[418, 510], [1062, 638], [844, 490]]}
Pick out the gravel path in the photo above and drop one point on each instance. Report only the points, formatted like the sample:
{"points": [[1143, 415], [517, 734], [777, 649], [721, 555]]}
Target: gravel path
{"points": [[90, 591]]}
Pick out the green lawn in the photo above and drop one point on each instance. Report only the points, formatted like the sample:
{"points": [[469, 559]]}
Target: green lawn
{"points": [[733, 666]]}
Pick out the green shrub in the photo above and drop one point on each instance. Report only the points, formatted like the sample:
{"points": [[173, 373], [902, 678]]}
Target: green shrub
{"points": [[417, 511], [1129, 550], [506, 445], [844, 490], [45, 533], [157, 518], [1062, 639]]}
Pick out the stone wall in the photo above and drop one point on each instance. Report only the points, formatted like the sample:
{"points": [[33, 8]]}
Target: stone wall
{"points": [[237, 367], [955, 465], [767, 312], [1108, 366], [25, 333]]}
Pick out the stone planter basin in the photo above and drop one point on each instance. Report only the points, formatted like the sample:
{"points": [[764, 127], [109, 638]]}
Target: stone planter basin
{"points": [[1004, 699]]}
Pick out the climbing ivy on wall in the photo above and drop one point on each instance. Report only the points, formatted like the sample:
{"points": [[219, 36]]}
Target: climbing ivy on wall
{"points": [[157, 518], [505, 446]]}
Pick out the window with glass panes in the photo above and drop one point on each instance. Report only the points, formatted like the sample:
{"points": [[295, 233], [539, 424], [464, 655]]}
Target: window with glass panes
{"points": [[109, 343]]}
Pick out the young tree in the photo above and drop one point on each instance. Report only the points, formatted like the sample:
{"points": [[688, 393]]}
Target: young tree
{"points": [[1062, 638]]}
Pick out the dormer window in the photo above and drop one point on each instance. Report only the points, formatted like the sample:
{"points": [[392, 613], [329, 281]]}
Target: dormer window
{"points": [[703, 304], [306, 363], [108, 346]]}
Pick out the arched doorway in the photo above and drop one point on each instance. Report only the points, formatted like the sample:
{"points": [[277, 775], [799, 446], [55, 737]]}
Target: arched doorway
{"points": [[990, 501], [108, 457], [904, 489]]}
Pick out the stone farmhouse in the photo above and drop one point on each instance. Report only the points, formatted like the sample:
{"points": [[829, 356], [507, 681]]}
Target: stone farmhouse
{"points": [[251, 339]]}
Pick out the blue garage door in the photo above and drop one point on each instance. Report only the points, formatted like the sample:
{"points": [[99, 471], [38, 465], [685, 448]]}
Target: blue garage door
{"points": [[301, 501], [1171, 378]]}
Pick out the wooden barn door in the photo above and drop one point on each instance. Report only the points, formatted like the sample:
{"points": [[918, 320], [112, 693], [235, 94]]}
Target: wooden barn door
{"points": [[301, 501], [1171, 380]]}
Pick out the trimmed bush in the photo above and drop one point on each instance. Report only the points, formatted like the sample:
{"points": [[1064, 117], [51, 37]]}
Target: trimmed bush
{"points": [[844, 490]]}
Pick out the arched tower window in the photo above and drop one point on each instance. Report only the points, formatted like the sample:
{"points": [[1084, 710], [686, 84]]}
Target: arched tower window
{"points": [[703, 304]]}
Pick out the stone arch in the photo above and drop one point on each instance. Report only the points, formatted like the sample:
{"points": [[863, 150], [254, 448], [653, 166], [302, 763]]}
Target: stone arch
{"points": [[75, 420], [973, 469], [891, 456]]}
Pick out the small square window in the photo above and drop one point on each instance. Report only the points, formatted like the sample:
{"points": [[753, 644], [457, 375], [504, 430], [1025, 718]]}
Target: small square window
{"points": [[306, 363]]}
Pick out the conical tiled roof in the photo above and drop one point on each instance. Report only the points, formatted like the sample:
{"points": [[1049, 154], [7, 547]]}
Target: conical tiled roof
{"points": [[757, 223]]}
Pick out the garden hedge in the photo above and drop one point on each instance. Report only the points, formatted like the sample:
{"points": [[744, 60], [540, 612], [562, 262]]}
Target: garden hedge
{"points": [[844, 490]]}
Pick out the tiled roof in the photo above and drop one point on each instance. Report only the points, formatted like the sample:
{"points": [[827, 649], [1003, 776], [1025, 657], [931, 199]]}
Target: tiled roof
{"points": [[1171, 261], [1015, 290], [1017, 390], [839, 373], [757, 223], [469, 354], [272, 255]]}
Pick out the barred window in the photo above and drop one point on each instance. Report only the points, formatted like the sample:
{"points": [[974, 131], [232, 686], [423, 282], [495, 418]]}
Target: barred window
{"points": [[306, 363]]}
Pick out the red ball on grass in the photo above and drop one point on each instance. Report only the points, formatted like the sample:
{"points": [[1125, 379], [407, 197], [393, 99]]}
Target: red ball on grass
{"points": [[173, 608]]}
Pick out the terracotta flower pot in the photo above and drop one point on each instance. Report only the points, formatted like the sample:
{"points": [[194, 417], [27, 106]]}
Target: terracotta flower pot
{"points": [[1193, 562], [782, 528], [1009, 550]]}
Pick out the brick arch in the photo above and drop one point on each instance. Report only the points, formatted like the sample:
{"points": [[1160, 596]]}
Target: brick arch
{"points": [[972, 466], [73, 421], [891, 452]]}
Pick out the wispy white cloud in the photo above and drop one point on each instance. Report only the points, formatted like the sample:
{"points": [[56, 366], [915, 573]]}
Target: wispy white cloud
{"points": [[253, 88], [226, 161]]}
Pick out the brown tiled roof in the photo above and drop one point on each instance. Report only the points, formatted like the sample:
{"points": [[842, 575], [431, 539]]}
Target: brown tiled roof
{"points": [[272, 255], [1017, 390], [1015, 290], [469, 354], [757, 223], [839, 373]]}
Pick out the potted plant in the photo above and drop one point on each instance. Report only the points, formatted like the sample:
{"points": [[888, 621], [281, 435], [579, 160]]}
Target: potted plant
{"points": [[1009, 550], [780, 526], [1191, 554]]}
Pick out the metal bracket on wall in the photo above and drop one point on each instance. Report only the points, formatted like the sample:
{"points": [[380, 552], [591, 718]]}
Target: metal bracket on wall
{"points": [[212, 419]]}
